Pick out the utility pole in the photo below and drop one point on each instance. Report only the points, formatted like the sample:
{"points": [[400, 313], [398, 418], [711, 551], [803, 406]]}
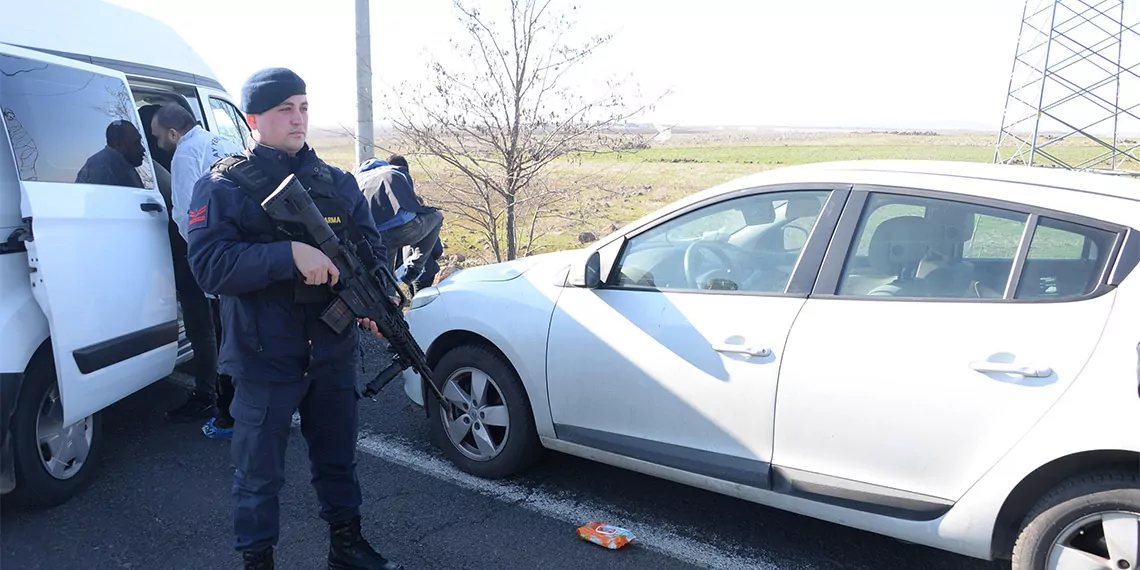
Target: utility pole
{"points": [[364, 140]]}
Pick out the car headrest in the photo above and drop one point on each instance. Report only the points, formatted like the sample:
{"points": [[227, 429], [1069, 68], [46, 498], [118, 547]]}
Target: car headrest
{"points": [[899, 243], [802, 207], [951, 223]]}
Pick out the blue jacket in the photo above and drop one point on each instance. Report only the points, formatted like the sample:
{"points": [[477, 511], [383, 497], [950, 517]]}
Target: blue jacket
{"points": [[390, 190], [235, 254]]}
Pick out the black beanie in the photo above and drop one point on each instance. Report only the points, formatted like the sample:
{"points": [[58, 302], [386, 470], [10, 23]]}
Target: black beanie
{"points": [[267, 88]]}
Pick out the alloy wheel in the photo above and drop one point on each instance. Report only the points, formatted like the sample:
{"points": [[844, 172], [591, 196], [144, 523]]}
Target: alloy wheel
{"points": [[1100, 541], [479, 423]]}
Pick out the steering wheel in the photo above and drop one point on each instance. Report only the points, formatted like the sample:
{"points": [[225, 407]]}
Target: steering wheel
{"points": [[729, 265]]}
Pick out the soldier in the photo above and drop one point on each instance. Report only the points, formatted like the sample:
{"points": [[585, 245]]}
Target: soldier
{"points": [[273, 286]]}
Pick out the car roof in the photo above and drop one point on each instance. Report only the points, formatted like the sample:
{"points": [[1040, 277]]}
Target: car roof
{"points": [[97, 29], [1111, 186], [1120, 185]]}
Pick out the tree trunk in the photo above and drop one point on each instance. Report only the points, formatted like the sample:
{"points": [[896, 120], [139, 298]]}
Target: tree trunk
{"points": [[512, 243]]}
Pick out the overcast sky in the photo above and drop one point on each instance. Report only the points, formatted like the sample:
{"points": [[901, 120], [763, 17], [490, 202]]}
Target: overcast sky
{"points": [[802, 63]]}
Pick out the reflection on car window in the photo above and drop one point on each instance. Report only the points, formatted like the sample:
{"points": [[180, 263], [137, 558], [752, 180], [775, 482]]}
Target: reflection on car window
{"points": [[922, 247], [750, 244], [1065, 260], [70, 125], [229, 123]]}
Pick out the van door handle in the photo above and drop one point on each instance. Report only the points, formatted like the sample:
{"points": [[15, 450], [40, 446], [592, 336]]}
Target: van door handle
{"points": [[745, 350], [150, 206], [1011, 368]]}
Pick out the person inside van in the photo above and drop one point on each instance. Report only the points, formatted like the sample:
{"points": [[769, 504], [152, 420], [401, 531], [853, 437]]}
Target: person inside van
{"points": [[117, 163], [158, 154]]}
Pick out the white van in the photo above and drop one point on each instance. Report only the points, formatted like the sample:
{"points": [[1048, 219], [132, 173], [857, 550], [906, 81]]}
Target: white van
{"points": [[88, 308]]}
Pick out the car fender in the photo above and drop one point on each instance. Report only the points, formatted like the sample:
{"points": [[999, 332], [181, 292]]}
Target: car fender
{"points": [[515, 318]]}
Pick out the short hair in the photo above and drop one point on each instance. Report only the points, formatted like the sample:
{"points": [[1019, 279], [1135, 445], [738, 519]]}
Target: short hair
{"points": [[173, 116], [397, 160], [117, 131]]}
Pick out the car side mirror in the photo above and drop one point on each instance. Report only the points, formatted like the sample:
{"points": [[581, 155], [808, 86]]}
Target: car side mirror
{"points": [[586, 273]]}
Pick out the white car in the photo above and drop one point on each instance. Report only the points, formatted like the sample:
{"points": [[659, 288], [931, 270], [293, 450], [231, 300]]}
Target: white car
{"points": [[944, 353]]}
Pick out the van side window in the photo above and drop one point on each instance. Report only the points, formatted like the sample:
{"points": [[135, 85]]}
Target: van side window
{"points": [[59, 119], [229, 122]]}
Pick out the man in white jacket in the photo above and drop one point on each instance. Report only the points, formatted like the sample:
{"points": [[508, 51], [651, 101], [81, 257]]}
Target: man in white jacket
{"points": [[195, 151]]}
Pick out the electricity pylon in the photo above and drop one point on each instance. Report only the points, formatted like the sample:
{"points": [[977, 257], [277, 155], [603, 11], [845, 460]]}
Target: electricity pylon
{"points": [[1074, 89]]}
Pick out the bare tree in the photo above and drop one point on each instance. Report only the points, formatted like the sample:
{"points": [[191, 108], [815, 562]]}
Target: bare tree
{"points": [[505, 113]]}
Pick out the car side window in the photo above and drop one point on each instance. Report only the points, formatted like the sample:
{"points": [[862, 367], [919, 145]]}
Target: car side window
{"points": [[1065, 260], [747, 244], [229, 122], [71, 125], [928, 248]]}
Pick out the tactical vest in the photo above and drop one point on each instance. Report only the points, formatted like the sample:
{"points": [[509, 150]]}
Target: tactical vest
{"points": [[256, 183]]}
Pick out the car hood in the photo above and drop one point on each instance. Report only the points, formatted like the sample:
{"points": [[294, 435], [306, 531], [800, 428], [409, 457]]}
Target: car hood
{"points": [[508, 270]]}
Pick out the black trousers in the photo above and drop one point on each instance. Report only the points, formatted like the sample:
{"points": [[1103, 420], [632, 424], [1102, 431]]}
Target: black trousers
{"points": [[198, 316], [225, 381]]}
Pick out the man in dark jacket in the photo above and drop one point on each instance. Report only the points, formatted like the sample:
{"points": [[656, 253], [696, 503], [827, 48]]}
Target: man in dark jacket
{"points": [[272, 284], [401, 218], [117, 163]]}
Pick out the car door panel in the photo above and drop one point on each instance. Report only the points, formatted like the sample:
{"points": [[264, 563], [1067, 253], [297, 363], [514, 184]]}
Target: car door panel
{"points": [[652, 367], [668, 384], [99, 256]]}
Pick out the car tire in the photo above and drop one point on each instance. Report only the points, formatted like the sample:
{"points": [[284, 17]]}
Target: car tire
{"points": [[521, 447], [1059, 514], [35, 486]]}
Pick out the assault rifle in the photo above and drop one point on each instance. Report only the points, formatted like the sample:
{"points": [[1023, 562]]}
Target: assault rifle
{"points": [[360, 293]]}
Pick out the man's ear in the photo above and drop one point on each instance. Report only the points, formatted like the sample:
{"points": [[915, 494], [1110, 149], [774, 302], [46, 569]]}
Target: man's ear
{"points": [[251, 121]]}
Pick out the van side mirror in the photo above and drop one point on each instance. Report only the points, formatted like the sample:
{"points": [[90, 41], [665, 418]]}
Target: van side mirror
{"points": [[587, 273]]}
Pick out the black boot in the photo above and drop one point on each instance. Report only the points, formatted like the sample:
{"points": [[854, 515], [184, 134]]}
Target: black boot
{"points": [[349, 551], [258, 559]]}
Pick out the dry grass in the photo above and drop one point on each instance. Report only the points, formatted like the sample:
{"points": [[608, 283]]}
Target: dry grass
{"points": [[611, 190]]}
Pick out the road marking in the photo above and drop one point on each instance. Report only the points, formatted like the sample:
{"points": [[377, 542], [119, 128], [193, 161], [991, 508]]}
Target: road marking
{"points": [[574, 511]]}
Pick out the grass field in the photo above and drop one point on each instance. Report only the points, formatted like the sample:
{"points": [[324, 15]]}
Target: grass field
{"points": [[614, 189]]}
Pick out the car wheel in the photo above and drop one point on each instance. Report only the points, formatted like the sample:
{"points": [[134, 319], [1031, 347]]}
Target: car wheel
{"points": [[1088, 522], [52, 463], [490, 433]]}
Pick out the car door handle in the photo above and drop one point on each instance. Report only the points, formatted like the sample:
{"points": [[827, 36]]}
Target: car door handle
{"points": [[745, 350], [1011, 368], [150, 206]]}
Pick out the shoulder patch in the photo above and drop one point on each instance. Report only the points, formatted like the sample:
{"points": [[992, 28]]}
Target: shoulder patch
{"points": [[198, 218]]}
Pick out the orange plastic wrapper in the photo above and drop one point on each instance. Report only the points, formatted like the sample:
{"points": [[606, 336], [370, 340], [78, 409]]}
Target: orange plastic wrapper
{"points": [[602, 534]]}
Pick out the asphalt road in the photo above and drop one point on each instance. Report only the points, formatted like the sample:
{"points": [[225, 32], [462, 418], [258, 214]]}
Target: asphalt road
{"points": [[161, 500]]}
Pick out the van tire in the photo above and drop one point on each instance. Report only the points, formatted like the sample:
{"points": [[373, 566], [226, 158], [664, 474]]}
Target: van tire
{"points": [[35, 487]]}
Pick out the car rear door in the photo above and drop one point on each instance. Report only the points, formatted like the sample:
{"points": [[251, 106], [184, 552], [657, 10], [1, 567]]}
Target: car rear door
{"points": [[942, 328], [99, 255]]}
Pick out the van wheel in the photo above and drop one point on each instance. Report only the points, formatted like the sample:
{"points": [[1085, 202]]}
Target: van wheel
{"points": [[491, 431], [52, 463], [1091, 521]]}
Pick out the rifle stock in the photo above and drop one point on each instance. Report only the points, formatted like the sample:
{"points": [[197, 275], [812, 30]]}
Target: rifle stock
{"points": [[360, 293]]}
